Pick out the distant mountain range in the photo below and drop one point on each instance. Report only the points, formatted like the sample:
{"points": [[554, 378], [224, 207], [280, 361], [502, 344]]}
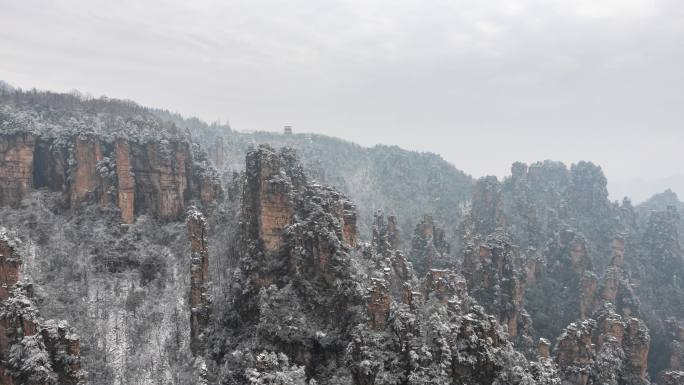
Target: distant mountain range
{"points": [[639, 189]]}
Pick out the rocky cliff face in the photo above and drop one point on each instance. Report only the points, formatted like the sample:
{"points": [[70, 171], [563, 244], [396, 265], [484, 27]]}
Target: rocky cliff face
{"points": [[32, 351], [495, 269], [583, 252], [10, 263], [328, 311], [293, 293], [404, 183], [295, 288], [539, 198], [496, 276], [658, 269], [72, 171], [561, 275], [486, 213], [429, 247], [16, 167], [389, 265], [155, 178], [567, 277], [126, 179], [608, 350], [199, 277], [674, 374], [385, 233], [269, 197]]}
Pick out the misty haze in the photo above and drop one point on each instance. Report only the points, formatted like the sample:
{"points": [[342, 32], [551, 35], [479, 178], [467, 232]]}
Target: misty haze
{"points": [[342, 192]]}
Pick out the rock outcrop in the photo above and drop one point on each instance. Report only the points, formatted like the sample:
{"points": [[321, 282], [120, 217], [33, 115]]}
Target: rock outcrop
{"points": [[544, 197], [32, 351], [486, 214], [268, 197], [676, 329], [276, 191], [610, 349], [659, 270], [661, 241], [389, 264], [574, 353], [636, 345], [16, 167], [199, 277], [496, 273], [294, 286], [446, 339], [379, 302], [309, 301], [347, 314], [84, 176], [674, 374], [126, 179], [429, 247], [613, 287], [445, 286], [10, 264], [385, 234], [293, 250], [156, 178], [564, 288], [346, 212]]}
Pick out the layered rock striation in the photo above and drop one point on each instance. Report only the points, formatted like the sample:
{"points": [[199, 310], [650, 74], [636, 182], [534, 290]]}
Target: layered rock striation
{"points": [[155, 178]]}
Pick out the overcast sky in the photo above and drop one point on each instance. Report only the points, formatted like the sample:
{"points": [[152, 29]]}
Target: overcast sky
{"points": [[483, 83]]}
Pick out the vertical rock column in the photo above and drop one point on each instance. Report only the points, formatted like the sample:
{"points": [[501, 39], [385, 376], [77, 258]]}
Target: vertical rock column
{"points": [[429, 244], [16, 168], [674, 374], [378, 304], [126, 196], [86, 179], [496, 277], [9, 268], [543, 349], [486, 214], [393, 232], [617, 251], [385, 235], [636, 345], [574, 352], [64, 345], [199, 277], [41, 348], [217, 152], [11, 328], [178, 183], [164, 178], [267, 197], [445, 285], [209, 189], [346, 212], [609, 350], [589, 288]]}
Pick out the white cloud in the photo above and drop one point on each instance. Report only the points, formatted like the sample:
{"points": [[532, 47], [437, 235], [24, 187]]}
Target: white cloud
{"points": [[434, 75]]}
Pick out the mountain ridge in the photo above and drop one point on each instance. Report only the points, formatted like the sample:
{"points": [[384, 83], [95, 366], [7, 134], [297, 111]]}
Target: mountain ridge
{"points": [[409, 272]]}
